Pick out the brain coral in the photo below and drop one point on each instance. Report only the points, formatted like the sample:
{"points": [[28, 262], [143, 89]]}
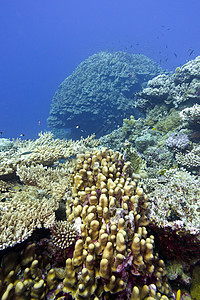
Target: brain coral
{"points": [[100, 89]]}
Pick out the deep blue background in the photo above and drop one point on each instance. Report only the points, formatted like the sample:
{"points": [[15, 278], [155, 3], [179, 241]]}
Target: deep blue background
{"points": [[42, 41]]}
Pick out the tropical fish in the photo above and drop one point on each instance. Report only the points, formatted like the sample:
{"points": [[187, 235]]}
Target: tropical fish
{"points": [[178, 295]]}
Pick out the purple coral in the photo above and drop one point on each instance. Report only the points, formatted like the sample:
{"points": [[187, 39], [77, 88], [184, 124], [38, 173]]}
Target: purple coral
{"points": [[178, 142]]}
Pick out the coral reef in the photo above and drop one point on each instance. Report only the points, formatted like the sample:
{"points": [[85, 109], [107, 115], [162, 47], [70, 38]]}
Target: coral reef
{"points": [[181, 87], [102, 88], [22, 212], [114, 256]]}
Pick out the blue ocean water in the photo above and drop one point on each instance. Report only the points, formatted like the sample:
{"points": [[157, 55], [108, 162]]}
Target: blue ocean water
{"points": [[42, 42]]}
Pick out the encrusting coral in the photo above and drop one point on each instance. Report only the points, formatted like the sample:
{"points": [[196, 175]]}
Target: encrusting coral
{"points": [[114, 255]]}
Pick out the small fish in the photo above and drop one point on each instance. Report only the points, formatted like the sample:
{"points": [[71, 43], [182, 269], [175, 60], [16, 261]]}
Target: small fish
{"points": [[26, 153], [21, 134], [178, 295], [16, 188], [78, 126], [39, 122], [175, 54], [153, 128], [191, 52], [1, 132], [166, 59]]}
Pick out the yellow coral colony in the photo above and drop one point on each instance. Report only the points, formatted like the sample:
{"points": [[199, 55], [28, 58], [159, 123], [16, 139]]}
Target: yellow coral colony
{"points": [[112, 210]]}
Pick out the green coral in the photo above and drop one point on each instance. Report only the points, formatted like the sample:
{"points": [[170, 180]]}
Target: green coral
{"points": [[128, 124], [169, 122], [132, 155]]}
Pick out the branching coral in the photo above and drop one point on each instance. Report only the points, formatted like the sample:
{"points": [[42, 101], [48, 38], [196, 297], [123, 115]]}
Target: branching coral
{"points": [[178, 142], [45, 151], [112, 210], [190, 159], [174, 202], [63, 234], [22, 214]]}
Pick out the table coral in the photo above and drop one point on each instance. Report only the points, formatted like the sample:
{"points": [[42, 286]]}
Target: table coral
{"points": [[45, 150]]}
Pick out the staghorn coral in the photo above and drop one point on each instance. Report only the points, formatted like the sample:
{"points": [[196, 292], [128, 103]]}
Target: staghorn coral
{"points": [[32, 203], [23, 212]]}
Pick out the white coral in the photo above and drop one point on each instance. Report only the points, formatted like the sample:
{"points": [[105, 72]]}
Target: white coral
{"points": [[191, 114]]}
